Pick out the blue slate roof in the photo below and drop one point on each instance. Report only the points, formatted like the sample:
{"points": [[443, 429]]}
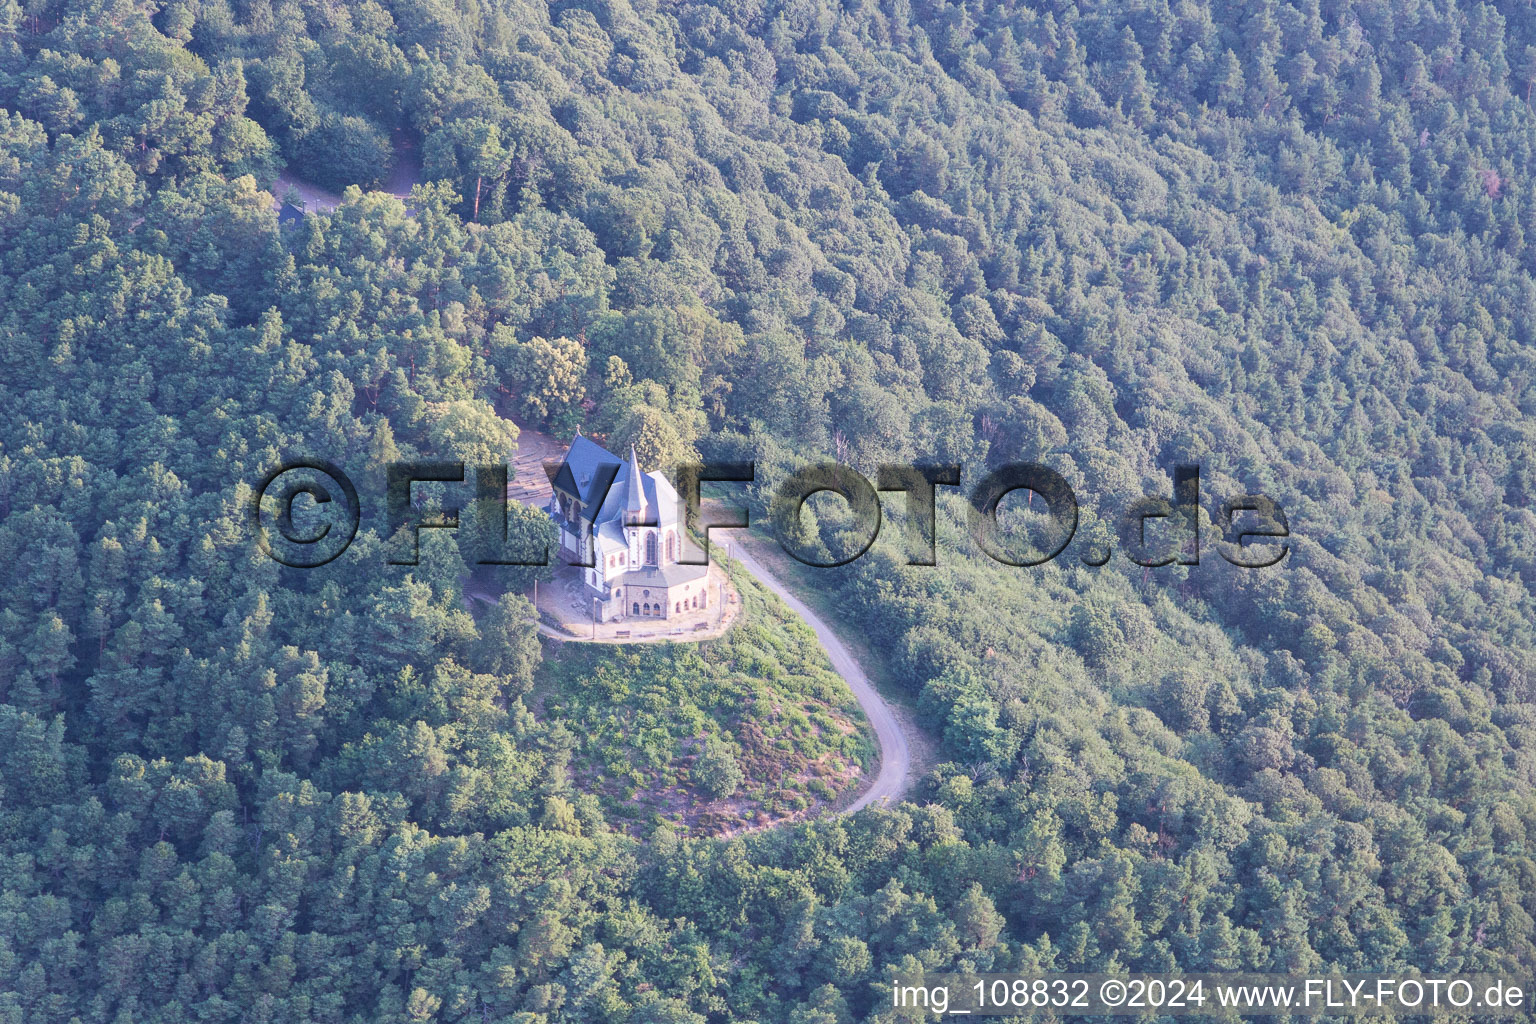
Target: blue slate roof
{"points": [[660, 576], [582, 462], [583, 474]]}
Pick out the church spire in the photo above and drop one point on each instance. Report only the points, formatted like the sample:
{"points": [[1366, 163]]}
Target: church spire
{"points": [[636, 497]]}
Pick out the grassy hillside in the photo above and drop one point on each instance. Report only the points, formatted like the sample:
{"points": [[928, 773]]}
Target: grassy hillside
{"points": [[742, 731]]}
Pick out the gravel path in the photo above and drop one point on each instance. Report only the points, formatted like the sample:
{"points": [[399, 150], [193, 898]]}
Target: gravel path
{"points": [[316, 199], [895, 752]]}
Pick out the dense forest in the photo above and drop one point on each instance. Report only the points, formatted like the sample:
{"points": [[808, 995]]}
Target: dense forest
{"points": [[1293, 242]]}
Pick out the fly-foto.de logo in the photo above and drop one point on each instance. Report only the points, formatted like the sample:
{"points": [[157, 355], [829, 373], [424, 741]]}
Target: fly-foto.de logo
{"points": [[306, 513]]}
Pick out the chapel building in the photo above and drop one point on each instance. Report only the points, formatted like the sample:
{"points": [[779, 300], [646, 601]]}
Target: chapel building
{"points": [[625, 525]]}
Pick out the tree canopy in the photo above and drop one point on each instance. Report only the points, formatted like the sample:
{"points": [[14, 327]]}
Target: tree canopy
{"points": [[1291, 242]]}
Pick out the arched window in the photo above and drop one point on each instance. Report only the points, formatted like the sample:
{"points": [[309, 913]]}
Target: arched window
{"points": [[636, 610], [695, 600], [671, 553], [677, 606], [650, 549], [647, 609]]}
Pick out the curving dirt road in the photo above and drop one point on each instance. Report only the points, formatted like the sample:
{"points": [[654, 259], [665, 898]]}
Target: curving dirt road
{"points": [[895, 752]]}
